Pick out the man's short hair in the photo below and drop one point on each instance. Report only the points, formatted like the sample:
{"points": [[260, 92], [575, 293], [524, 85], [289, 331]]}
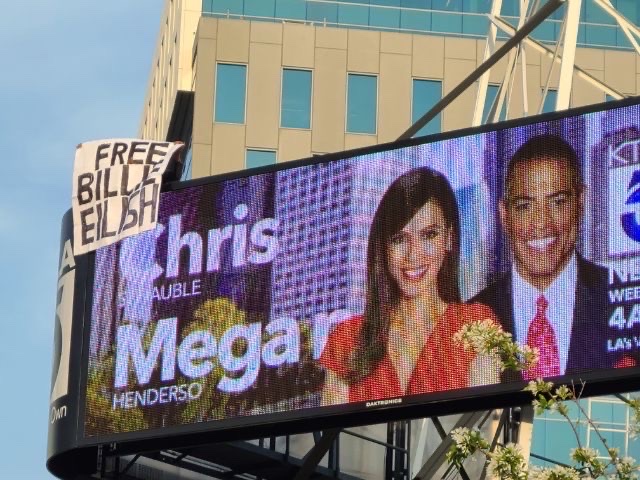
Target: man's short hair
{"points": [[546, 145]]}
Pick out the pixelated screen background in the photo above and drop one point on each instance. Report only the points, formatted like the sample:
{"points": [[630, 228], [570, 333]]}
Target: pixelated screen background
{"points": [[225, 309]]}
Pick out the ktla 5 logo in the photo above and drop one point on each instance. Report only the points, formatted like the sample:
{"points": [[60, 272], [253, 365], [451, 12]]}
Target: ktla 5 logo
{"points": [[628, 220], [623, 210], [64, 318]]}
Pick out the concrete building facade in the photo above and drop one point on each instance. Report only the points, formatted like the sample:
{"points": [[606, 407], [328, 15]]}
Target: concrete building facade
{"points": [[194, 45]]}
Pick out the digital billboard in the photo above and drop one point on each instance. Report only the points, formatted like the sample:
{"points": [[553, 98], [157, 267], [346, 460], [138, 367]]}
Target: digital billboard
{"points": [[336, 285]]}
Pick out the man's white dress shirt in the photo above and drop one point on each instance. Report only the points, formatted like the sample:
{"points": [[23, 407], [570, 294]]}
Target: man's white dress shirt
{"points": [[561, 295]]}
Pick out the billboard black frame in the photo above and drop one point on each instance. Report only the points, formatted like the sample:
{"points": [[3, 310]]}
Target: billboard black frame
{"points": [[345, 415]]}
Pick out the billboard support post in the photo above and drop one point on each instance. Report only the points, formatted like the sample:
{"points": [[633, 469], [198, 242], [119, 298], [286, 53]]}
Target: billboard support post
{"points": [[313, 456], [505, 91], [502, 425], [514, 425], [570, 38], [397, 459], [525, 430], [435, 461], [489, 48]]}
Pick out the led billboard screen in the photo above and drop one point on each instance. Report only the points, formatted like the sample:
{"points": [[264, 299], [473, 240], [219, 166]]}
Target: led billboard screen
{"points": [[327, 292], [342, 282]]}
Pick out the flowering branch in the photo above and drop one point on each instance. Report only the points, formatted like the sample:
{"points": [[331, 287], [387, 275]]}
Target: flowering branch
{"points": [[466, 442], [634, 405], [546, 399], [507, 462], [485, 337]]}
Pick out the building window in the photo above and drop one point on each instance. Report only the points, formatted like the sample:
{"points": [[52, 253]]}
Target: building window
{"points": [[291, 9], [381, 15], [446, 16], [223, 6], [296, 99], [322, 12], [349, 14], [259, 8], [231, 83], [549, 104], [362, 103], [426, 93], [553, 437], [492, 96], [259, 158]]}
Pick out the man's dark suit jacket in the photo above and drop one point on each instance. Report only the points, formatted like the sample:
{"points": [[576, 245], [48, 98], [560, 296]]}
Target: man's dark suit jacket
{"points": [[590, 331]]}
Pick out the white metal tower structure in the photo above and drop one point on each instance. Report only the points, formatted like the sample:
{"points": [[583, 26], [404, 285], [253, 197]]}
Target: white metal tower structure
{"points": [[532, 14], [562, 56]]}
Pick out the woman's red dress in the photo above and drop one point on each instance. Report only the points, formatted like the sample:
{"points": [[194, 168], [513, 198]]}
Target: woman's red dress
{"points": [[441, 365]]}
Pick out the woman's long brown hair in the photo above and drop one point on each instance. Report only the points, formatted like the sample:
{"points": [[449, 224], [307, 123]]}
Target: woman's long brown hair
{"points": [[406, 195]]}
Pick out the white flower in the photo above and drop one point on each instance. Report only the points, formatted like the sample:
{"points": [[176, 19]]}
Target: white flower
{"points": [[538, 386], [532, 387], [584, 454], [485, 337], [460, 435], [564, 393], [627, 460], [508, 463], [625, 466], [481, 336], [555, 473], [530, 355]]}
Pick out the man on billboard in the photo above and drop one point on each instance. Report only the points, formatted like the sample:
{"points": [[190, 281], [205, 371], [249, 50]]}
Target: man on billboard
{"points": [[552, 298]]}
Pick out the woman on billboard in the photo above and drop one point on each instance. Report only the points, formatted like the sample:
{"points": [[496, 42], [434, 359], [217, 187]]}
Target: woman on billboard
{"points": [[402, 344]]}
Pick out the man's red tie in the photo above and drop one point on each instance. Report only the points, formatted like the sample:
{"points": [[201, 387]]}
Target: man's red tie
{"points": [[542, 337]]}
